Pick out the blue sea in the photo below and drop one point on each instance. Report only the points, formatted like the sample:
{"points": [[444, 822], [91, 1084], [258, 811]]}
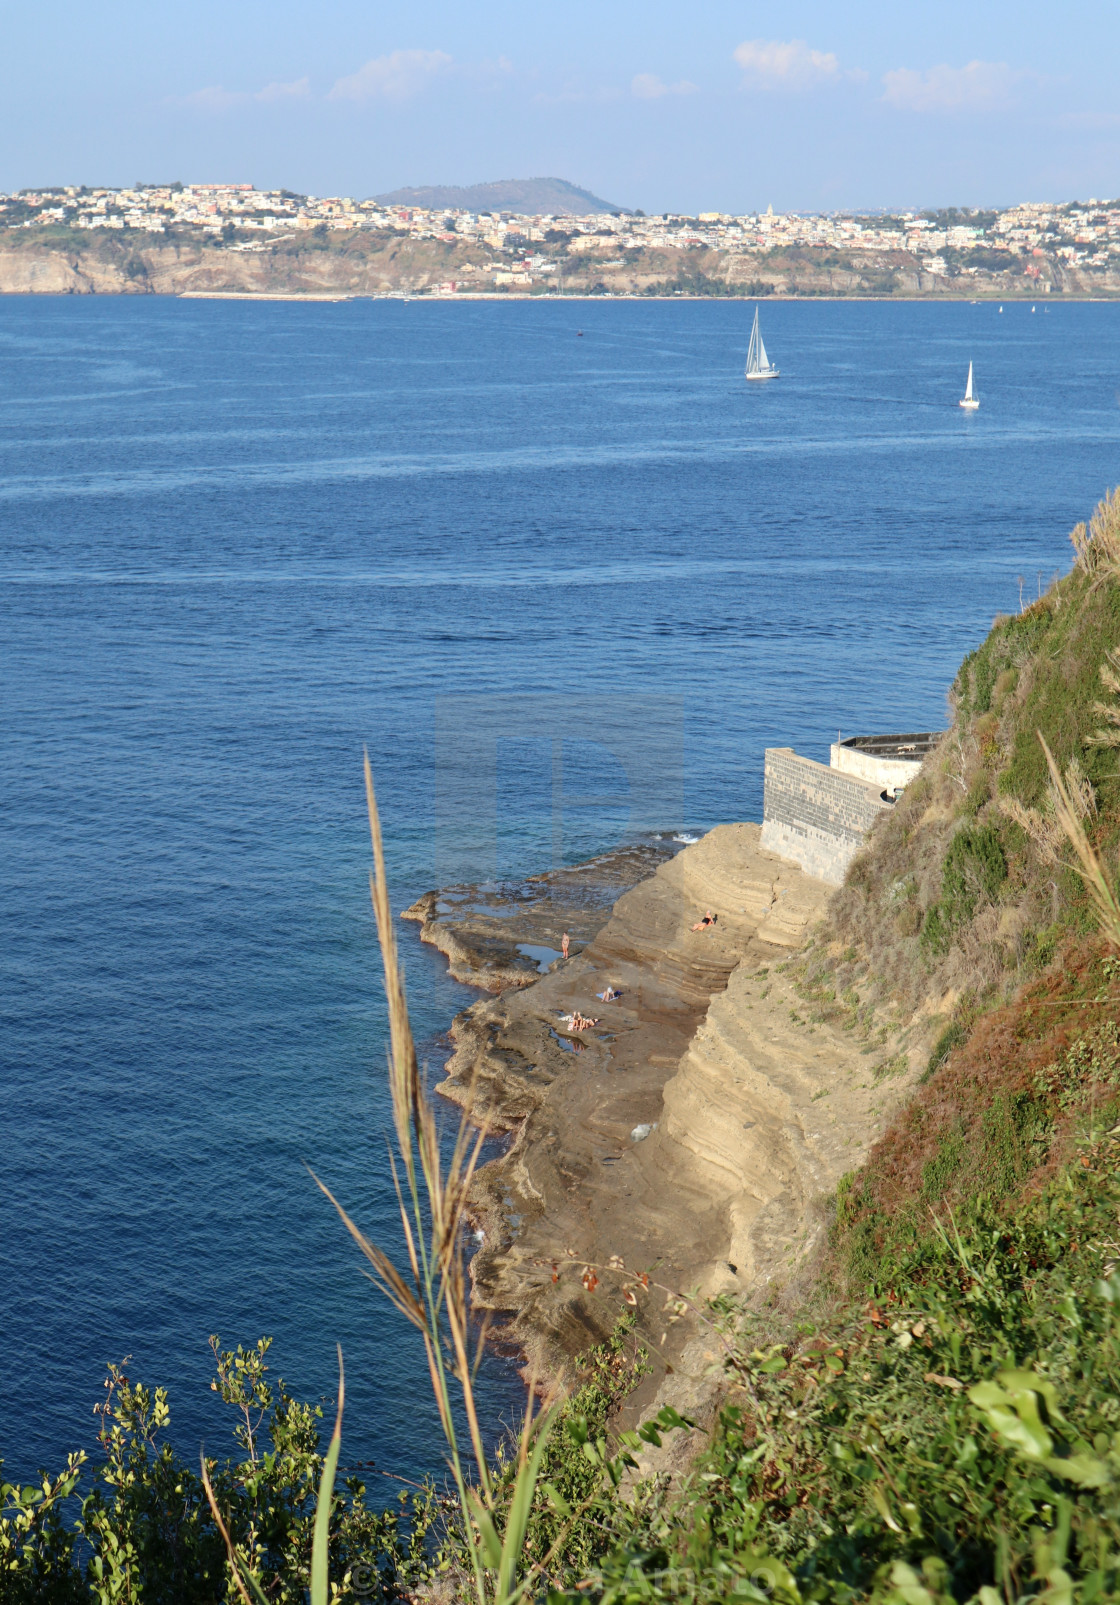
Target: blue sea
{"points": [[239, 542]]}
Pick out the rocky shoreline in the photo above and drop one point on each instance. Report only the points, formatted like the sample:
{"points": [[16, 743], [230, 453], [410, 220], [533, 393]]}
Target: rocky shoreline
{"points": [[690, 1133]]}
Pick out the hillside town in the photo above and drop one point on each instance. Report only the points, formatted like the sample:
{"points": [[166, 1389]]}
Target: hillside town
{"points": [[1039, 246]]}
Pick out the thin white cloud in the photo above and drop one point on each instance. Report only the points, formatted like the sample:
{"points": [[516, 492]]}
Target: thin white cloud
{"points": [[397, 76], [214, 98], [299, 89], [786, 63], [217, 99], [978, 86], [648, 86]]}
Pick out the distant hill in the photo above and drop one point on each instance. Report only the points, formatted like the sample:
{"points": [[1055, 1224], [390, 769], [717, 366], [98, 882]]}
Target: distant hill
{"points": [[531, 197]]}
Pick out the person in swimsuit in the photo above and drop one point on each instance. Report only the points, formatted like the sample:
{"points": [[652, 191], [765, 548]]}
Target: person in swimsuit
{"points": [[708, 920]]}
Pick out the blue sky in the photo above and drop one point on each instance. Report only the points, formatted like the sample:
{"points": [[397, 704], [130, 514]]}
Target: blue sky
{"points": [[658, 105]]}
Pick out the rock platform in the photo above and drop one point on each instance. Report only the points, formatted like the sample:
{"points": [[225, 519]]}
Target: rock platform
{"points": [[753, 1111]]}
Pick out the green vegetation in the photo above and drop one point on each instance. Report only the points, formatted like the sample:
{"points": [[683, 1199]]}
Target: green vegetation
{"points": [[964, 894], [975, 868], [136, 1523], [954, 1437], [697, 283]]}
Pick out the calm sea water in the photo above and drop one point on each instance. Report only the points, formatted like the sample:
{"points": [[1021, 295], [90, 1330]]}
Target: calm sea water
{"points": [[239, 541]]}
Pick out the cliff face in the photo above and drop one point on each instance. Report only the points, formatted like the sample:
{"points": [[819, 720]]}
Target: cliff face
{"points": [[72, 262], [689, 1129], [369, 266]]}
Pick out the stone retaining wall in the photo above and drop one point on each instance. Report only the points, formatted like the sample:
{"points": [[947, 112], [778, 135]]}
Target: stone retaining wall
{"points": [[815, 815]]}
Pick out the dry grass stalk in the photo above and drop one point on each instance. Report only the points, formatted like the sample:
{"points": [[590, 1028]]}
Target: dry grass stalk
{"points": [[1043, 826], [1097, 547], [1109, 712], [433, 1292], [1098, 881]]}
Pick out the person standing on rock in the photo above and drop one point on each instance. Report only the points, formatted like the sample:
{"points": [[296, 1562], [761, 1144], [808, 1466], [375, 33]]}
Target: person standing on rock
{"points": [[564, 945]]}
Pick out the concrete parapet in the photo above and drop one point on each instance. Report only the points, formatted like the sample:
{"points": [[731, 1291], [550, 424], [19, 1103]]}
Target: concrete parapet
{"points": [[816, 815], [884, 761]]}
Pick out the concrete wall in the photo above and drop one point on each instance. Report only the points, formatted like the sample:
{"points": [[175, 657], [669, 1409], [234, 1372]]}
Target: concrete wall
{"points": [[878, 772], [814, 814]]}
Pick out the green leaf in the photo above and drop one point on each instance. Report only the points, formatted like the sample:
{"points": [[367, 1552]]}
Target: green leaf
{"points": [[1014, 1417], [577, 1429], [879, 1500], [1085, 1470], [487, 1532], [668, 1418], [771, 1367], [320, 1544], [908, 1588], [520, 1506], [1060, 1591], [559, 1504], [1017, 1382]]}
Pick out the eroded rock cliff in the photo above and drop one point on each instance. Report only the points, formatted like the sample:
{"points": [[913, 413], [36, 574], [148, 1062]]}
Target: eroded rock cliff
{"points": [[688, 1133]]}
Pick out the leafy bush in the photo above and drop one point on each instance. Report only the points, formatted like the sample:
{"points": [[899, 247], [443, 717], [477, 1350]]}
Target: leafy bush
{"points": [[144, 1529]]}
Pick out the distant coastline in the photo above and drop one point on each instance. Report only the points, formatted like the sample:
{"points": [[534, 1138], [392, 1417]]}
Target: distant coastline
{"points": [[232, 240], [62, 261]]}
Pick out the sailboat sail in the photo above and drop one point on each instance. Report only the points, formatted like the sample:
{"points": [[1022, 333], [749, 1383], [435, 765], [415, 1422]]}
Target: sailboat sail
{"points": [[969, 400], [758, 363]]}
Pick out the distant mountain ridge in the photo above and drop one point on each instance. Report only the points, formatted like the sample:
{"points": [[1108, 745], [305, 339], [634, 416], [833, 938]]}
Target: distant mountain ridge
{"points": [[530, 197]]}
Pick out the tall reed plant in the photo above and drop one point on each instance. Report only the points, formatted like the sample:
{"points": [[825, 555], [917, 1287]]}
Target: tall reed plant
{"points": [[431, 1290]]}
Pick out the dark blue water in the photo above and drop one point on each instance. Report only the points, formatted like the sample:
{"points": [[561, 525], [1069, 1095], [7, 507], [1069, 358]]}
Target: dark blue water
{"points": [[239, 541]]}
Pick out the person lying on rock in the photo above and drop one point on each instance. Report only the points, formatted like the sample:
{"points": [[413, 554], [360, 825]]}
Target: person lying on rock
{"points": [[580, 1022], [609, 995], [708, 920]]}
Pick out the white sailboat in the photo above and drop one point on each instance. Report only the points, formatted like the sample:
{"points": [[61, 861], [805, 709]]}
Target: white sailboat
{"points": [[758, 363], [969, 400]]}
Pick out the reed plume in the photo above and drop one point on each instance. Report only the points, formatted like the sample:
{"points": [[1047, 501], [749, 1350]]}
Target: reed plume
{"points": [[1098, 880], [1097, 547], [432, 1290]]}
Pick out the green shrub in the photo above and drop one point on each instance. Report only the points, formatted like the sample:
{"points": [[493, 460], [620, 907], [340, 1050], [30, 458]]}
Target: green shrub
{"points": [[953, 1035], [975, 868], [145, 1531], [936, 935]]}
